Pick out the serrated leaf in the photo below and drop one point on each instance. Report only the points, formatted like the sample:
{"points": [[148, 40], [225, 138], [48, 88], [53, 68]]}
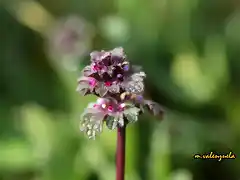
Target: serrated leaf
{"points": [[91, 123], [114, 88], [82, 86], [138, 76], [96, 55], [117, 55], [94, 111], [83, 92], [111, 122], [117, 51], [135, 87], [132, 114], [87, 71], [101, 90]]}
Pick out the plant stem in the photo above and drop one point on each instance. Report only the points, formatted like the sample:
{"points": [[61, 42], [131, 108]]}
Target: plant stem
{"points": [[120, 159]]}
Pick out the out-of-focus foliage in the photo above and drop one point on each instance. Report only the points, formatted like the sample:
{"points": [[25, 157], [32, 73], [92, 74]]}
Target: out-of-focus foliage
{"points": [[190, 51]]}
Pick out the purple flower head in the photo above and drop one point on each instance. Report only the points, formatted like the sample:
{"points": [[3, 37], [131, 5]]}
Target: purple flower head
{"points": [[120, 88]]}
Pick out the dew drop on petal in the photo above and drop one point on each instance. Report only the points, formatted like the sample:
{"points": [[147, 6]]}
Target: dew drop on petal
{"points": [[93, 134], [100, 101], [119, 75], [95, 126], [104, 106], [89, 126], [89, 132], [121, 106]]}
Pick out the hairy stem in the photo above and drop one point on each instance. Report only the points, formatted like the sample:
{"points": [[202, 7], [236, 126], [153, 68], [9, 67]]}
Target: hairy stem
{"points": [[120, 159]]}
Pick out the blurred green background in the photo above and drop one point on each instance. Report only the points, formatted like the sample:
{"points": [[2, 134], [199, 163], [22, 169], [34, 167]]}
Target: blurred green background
{"points": [[190, 50]]}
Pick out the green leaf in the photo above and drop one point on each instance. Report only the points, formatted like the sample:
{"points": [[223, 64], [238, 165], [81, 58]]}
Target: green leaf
{"points": [[132, 114], [91, 123], [111, 122]]}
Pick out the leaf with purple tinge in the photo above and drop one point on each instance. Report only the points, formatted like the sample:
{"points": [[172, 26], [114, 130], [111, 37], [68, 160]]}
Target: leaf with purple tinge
{"points": [[87, 71], [86, 84], [82, 88], [104, 70], [114, 121], [135, 87], [101, 90], [114, 88], [154, 108], [106, 59], [117, 52], [118, 55], [138, 76], [92, 110], [98, 56], [83, 92], [110, 70]]}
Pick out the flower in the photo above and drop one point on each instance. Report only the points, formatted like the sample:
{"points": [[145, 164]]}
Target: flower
{"points": [[108, 109], [119, 87]]}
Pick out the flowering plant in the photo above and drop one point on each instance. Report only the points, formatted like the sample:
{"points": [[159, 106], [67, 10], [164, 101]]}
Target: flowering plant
{"points": [[120, 88]]}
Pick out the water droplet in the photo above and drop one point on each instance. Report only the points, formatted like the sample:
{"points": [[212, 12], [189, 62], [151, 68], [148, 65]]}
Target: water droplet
{"points": [[89, 132], [119, 75], [104, 106], [95, 126]]}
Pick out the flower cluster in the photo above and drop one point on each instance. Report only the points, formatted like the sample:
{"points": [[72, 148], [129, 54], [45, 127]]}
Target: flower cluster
{"points": [[119, 86]]}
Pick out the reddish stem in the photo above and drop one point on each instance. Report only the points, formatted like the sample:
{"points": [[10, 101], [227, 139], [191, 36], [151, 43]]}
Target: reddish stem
{"points": [[120, 159]]}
